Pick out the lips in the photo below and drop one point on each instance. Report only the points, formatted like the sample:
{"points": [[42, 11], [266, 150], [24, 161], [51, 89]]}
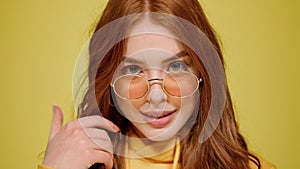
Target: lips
{"points": [[159, 118]]}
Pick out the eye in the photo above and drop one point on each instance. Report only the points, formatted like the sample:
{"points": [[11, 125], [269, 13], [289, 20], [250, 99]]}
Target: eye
{"points": [[131, 70], [178, 67]]}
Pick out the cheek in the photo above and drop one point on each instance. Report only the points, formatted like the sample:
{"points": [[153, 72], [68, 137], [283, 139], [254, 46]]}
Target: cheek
{"points": [[125, 108], [177, 102], [137, 103]]}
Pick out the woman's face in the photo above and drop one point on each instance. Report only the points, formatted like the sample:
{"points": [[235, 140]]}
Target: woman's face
{"points": [[150, 82]]}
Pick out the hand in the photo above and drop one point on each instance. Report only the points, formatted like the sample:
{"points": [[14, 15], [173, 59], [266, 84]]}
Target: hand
{"points": [[80, 143]]}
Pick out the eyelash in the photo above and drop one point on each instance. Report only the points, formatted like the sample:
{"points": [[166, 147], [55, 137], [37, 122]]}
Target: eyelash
{"points": [[127, 68], [183, 65]]}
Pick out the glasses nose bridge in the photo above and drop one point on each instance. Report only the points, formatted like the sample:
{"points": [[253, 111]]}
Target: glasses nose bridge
{"points": [[155, 76], [153, 81]]}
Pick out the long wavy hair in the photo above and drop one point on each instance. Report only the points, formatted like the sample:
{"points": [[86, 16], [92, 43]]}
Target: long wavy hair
{"points": [[226, 148]]}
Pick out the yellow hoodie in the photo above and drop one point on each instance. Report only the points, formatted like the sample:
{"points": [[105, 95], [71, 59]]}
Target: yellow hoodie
{"points": [[141, 155]]}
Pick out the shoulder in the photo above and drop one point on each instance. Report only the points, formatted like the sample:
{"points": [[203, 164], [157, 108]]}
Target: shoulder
{"points": [[264, 163]]}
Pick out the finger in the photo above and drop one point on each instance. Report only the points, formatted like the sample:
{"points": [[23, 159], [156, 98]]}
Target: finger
{"points": [[103, 145], [100, 138], [98, 122], [95, 133], [57, 120]]}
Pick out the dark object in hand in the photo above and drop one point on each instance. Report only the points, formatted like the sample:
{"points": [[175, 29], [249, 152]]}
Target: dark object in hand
{"points": [[98, 166]]}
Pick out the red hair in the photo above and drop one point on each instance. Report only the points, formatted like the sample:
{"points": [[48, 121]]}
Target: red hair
{"points": [[226, 148]]}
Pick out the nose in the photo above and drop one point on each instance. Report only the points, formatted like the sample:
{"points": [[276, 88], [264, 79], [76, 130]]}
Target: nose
{"points": [[156, 94]]}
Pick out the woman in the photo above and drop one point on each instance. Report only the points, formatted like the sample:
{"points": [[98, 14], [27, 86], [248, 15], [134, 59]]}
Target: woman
{"points": [[156, 98]]}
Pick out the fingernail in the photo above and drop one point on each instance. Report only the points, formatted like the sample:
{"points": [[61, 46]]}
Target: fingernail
{"points": [[116, 128], [113, 126], [54, 108]]}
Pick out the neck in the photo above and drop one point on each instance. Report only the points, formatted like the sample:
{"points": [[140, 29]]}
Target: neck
{"points": [[143, 147]]}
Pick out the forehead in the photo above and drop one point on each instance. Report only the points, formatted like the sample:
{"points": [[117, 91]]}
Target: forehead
{"points": [[152, 49], [152, 42]]}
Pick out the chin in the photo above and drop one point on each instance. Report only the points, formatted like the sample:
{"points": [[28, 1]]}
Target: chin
{"points": [[158, 134]]}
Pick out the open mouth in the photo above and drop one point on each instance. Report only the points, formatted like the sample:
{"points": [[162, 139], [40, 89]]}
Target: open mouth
{"points": [[158, 115], [159, 119]]}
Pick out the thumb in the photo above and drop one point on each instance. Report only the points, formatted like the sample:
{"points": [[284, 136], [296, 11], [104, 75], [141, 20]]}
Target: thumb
{"points": [[57, 121]]}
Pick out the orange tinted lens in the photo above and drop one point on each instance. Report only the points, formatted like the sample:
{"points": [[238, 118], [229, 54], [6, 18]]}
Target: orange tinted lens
{"points": [[172, 86], [138, 87], [131, 87], [180, 84]]}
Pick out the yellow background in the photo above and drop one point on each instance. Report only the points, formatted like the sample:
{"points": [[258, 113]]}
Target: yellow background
{"points": [[40, 40]]}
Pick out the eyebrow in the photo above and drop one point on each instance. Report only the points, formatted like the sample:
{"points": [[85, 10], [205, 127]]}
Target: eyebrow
{"points": [[174, 57]]}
